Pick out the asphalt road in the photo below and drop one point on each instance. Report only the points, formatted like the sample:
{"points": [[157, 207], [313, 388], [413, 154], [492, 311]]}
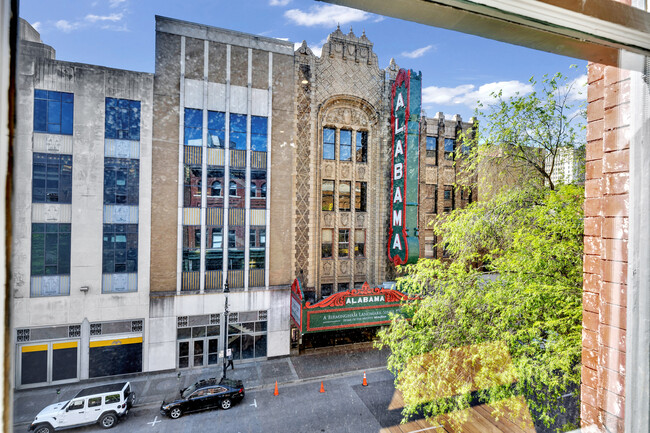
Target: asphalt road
{"points": [[345, 406]]}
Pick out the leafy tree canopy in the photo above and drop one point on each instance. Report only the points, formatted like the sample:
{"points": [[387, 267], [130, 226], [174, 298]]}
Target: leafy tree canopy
{"points": [[503, 317], [520, 138]]}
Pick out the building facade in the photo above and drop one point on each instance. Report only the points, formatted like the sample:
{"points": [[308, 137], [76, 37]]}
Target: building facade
{"points": [[222, 188], [238, 166], [81, 235], [442, 187]]}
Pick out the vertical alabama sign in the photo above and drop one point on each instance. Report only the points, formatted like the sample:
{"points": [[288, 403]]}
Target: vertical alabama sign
{"points": [[403, 244]]}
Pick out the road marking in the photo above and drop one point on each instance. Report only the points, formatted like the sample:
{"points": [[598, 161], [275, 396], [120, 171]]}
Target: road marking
{"points": [[254, 403], [155, 420], [425, 429]]}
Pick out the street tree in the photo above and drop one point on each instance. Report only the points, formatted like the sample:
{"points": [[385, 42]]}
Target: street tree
{"points": [[501, 320], [521, 138]]}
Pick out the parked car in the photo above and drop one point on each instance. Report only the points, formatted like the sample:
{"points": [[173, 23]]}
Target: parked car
{"points": [[103, 404], [205, 394]]}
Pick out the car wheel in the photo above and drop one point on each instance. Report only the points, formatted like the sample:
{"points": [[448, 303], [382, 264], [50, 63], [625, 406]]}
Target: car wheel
{"points": [[175, 413], [226, 403], [43, 428], [108, 420]]}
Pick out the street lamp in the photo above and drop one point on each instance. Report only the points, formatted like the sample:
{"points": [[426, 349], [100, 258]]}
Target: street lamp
{"points": [[226, 290]]}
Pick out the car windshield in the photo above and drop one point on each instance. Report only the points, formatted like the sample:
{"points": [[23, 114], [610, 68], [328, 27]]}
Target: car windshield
{"points": [[188, 391]]}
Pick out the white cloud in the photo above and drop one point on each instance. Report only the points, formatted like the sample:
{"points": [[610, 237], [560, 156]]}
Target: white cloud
{"points": [[115, 3], [279, 2], [468, 94], [578, 89], [326, 15], [112, 17], [37, 26], [66, 26], [417, 53]]}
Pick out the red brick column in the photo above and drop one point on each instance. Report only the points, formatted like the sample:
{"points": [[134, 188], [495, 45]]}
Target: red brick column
{"points": [[605, 260]]}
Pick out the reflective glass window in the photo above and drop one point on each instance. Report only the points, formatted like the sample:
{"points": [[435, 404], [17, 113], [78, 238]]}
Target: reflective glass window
{"points": [[360, 196], [362, 146], [50, 249], [326, 245], [344, 242], [257, 251], [344, 195], [122, 119], [53, 112], [214, 248], [238, 131], [120, 248], [237, 188], [193, 127], [191, 248], [121, 181], [192, 185], [259, 133], [345, 145], [216, 129], [328, 195], [328, 143], [52, 178], [236, 247]]}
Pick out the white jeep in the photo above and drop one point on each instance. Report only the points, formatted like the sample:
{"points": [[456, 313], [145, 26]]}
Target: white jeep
{"points": [[103, 404]]}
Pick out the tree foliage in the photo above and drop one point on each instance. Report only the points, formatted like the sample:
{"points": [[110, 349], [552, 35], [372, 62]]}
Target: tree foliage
{"points": [[503, 317], [520, 138]]}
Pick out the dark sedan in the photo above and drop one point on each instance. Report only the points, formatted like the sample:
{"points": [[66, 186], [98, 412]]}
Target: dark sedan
{"points": [[205, 394]]}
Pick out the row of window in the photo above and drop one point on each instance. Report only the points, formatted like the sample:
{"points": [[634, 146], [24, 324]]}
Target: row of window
{"points": [[449, 147], [216, 126], [343, 137], [215, 192], [343, 243], [344, 195], [214, 248]]}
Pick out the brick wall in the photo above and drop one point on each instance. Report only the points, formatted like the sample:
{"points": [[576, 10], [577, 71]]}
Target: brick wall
{"points": [[605, 260]]}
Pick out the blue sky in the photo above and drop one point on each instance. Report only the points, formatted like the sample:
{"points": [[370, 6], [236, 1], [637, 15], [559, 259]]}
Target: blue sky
{"points": [[457, 69]]}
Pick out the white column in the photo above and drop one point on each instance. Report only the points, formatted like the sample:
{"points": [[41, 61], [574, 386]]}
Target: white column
{"points": [[204, 164], [247, 201], [269, 113], [181, 128], [226, 171]]}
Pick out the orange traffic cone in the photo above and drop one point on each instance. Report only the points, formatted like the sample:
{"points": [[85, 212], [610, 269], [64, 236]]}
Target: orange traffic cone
{"points": [[322, 388], [365, 382], [276, 388]]}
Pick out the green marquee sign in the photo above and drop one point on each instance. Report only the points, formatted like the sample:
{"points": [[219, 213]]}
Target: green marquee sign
{"points": [[403, 243], [354, 308]]}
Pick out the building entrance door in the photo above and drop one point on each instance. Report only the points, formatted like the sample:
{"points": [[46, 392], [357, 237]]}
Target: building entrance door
{"points": [[198, 352]]}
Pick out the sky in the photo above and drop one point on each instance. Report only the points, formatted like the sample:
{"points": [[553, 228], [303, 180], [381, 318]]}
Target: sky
{"points": [[457, 69]]}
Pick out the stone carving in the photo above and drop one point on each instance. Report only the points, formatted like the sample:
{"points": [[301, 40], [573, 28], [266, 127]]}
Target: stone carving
{"points": [[328, 219], [361, 171], [327, 268], [52, 212], [347, 116], [53, 144], [361, 219], [345, 219], [328, 170], [344, 267], [360, 267]]}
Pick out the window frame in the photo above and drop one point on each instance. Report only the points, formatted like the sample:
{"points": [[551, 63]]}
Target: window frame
{"points": [[51, 163], [347, 145], [343, 244], [329, 145], [345, 197], [46, 101], [361, 153], [325, 253]]}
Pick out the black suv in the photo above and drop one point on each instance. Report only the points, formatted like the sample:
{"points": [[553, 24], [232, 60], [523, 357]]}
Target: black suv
{"points": [[205, 394]]}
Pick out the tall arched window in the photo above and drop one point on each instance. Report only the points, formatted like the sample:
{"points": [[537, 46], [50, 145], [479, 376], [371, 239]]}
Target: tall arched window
{"points": [[253, 190], [233, 188]]}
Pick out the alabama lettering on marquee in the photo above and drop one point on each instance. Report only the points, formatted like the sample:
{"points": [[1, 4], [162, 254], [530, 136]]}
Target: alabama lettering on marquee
{"points": [[403, 243]]}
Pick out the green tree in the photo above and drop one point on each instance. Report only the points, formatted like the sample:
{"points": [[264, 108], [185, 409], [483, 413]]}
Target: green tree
{"points": [[503, 317], [520, 138]]}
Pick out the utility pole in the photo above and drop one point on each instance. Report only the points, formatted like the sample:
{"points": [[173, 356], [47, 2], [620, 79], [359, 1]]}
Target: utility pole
{"points": [[226, 290]]}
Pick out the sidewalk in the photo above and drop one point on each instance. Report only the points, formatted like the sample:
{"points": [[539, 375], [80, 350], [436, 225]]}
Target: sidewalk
{"points": [[152, 388]]}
